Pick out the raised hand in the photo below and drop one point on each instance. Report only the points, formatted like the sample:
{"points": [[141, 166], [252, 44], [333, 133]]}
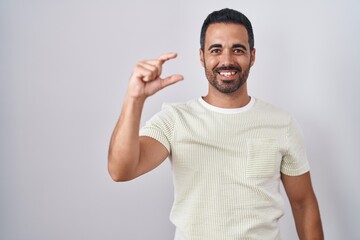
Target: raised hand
{"points": [[146, 77]]}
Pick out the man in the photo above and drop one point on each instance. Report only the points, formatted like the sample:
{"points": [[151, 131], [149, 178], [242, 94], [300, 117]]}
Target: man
{"points": [[229, 151]]}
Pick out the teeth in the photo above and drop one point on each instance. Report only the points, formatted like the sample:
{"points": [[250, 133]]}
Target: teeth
{"points": [[227, 74]]}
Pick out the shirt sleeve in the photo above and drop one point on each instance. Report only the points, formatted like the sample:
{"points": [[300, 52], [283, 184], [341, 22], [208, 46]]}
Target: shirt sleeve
{"points": [[295, 161], [161, 127]]}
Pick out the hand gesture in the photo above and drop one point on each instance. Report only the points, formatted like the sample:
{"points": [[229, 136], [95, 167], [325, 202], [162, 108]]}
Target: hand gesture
{"points": [[145, 79]]}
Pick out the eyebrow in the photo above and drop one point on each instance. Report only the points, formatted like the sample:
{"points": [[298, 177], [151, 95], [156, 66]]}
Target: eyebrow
{"points": [[216, 45], [236, 45]]}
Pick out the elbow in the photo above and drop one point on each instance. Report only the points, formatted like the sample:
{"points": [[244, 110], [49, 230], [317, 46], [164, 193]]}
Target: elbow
{"points": [[119, 177], [114, 176], [118, 173]]}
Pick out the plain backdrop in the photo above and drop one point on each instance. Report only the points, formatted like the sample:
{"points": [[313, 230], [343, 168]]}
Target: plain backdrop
{"points": [[64, 68]]}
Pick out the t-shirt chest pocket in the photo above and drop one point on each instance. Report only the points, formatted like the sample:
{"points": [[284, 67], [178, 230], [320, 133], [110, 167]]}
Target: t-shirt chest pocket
{"points": [[263, 158]]}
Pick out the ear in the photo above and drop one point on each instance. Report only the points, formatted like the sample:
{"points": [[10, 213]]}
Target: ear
{"points": [[201, 53], [252, 57]]}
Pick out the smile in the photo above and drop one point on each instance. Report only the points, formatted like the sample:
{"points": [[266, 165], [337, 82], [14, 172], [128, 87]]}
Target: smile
{"points": [[227, 74]]}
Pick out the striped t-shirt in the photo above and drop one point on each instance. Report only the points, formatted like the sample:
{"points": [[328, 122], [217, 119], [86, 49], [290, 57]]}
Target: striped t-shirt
{"points": [[226, 165]]}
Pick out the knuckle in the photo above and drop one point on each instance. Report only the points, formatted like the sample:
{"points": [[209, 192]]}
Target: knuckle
{"points": [[138, 65]]}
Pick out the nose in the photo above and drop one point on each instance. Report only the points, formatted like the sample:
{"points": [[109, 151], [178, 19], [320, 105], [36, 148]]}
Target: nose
{"points": [[226, 58]]}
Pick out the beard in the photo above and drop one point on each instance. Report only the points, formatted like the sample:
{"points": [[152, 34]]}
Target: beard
{"points": [[224, 85]]}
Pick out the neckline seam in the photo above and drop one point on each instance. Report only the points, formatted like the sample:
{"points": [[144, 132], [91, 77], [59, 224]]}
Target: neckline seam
{"points": [[212, 108]]}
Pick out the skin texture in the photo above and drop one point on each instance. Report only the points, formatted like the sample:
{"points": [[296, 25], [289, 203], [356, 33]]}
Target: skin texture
{"points": [[304, 206], [130, 155], [227, 46], [227, 60]]}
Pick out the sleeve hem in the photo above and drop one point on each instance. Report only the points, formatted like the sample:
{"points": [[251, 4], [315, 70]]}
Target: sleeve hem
{"points": [[155, 135], [296, 172]]}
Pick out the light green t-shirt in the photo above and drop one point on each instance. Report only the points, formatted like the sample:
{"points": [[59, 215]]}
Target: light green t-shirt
{"points": [[226, 165]]}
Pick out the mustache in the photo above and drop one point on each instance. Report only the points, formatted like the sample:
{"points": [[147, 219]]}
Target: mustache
{"points": [[230, 67]]}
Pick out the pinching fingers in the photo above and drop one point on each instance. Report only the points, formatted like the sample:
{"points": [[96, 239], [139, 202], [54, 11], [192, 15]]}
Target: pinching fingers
{"points": [[171, 79], [150, 71], [167, 56]]}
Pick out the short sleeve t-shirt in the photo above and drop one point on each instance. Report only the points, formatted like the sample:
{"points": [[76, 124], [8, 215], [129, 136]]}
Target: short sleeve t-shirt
{"points": [[227, 165]]}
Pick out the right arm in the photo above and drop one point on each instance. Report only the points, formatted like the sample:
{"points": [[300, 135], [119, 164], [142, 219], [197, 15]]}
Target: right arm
{"points": [[130, 155]]}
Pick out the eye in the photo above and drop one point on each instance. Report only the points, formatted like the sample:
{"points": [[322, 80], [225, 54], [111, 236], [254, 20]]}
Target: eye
{"points": [[215, 51], [238, 51]]}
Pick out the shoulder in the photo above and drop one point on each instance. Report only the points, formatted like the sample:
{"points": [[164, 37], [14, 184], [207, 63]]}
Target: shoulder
{"points": [[271, 111], [267, 106], [188, 106]]}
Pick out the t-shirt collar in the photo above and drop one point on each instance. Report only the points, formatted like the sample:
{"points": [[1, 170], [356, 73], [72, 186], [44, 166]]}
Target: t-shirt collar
{"points": [[227, 110]]}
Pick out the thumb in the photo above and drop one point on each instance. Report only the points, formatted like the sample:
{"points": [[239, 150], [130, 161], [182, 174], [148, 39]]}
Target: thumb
{"points": [[171, 80]]}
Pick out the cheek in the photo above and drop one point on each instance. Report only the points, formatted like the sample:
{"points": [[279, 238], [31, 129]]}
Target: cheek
{"points": [[244, 62], [211, 62]]}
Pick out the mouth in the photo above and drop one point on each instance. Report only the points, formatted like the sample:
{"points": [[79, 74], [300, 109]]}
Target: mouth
{"points": [[227, 74]]}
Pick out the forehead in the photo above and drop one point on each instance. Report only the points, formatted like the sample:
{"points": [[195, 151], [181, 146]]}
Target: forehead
{"points": [[222, 33]]}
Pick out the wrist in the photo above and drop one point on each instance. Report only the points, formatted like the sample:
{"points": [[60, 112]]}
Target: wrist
{"points": [[135, 99]]}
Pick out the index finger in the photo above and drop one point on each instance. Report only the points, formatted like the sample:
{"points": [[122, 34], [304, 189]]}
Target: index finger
{"points": [[167, 56]]}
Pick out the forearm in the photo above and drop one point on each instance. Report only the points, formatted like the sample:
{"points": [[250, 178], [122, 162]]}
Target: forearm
{"points": [[124, 149], [307, 220]]}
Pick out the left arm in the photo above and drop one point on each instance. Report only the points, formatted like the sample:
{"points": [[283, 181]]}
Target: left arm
{"points": [[304, 206]]}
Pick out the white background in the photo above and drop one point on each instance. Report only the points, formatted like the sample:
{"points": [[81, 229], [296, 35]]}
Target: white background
{"points": [[64, 67]]}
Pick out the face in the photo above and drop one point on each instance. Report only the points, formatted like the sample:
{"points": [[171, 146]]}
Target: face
{"points": [[226, 57]]}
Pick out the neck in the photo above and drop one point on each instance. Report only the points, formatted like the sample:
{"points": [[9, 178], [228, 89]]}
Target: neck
{"points": [[237, 99]]}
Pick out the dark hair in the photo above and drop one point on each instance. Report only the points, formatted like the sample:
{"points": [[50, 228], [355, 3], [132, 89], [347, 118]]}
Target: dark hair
{"points": [[227, 15]]}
